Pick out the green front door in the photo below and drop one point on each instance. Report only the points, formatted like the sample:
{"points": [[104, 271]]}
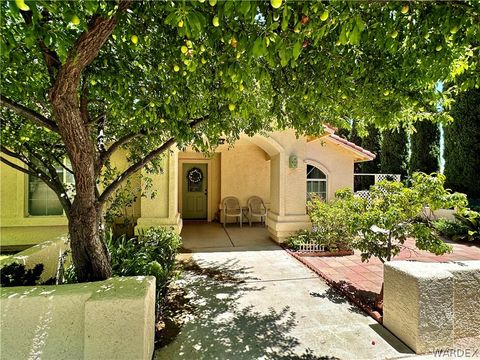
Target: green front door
{"points": [[194, 199]]}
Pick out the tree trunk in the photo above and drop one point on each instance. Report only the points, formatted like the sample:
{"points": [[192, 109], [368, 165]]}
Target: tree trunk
{"points": [[89, 252]]}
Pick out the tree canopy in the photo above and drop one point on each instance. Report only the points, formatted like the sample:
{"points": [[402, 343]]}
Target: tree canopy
{"points": [[301, 64], [83, 79]]}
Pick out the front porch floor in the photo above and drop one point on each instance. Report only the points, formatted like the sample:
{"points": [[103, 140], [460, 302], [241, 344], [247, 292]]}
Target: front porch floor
{"points": [[203, 236]]}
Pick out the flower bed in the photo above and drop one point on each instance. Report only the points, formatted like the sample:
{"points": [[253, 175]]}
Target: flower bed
{"points": [[319, 253]]}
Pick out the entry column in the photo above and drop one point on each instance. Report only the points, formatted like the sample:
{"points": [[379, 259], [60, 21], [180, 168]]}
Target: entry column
{"points": [[162, 210]]}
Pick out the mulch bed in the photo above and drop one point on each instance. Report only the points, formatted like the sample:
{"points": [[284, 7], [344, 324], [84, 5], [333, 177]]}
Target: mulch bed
{"points": [[321, 253], [363, 299]]}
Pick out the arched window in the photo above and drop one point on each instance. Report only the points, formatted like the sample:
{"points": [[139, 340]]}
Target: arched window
{"points": [[316, 182]]}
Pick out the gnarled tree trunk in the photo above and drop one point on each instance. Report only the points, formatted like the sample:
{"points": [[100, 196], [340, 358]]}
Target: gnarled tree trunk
{"points": [[89, 252], [90, 255]]}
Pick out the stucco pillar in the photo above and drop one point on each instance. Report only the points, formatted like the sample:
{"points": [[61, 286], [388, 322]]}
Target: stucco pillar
{"points": [[287, 212], [162, 210]]}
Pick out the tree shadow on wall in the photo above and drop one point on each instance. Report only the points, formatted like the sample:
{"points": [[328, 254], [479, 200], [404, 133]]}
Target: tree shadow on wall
{"points": [[219, 328]]}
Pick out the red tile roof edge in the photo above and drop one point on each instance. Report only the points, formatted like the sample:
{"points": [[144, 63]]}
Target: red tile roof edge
{"points": [[353, 146]]}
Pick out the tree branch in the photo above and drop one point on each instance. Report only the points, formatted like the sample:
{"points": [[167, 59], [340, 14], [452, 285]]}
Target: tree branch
{"points": [[60, 162], [133, 169], [97, 118], [84, 51], [53, 182], [29, 114], [141, 163], [105, 155], [18, 167], [51, 58]]}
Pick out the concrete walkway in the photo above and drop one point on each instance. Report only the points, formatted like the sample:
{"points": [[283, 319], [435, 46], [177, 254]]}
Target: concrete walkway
{"points": [[257, 302]]}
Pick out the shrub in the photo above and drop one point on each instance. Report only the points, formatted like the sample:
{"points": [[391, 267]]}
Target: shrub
{"points": [[470, 220], [449, 229], [16, 275], [331, 223], [301, 237], [392, 216], [151, 253]]}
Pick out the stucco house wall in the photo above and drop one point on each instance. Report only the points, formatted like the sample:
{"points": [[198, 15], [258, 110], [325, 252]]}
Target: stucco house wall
{"points": [[257, 165], [18, 230], [336, 162], [245, 172]]}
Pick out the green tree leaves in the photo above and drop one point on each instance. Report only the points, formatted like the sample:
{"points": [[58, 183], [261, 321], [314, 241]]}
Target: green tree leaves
{"points": [[301, 65]]}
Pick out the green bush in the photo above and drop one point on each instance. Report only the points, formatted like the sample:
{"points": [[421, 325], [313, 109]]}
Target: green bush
{"points": [[331, 223], [471, 221], [17, 275], [392, 216], [449, 229], [301, 237], [151, 253]]}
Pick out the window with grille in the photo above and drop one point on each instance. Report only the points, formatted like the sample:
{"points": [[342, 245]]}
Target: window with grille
{"points": [[316, 183], [42, 201]]}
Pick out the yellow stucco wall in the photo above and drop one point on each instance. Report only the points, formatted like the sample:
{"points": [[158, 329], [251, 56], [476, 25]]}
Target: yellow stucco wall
{"points": [[245, 172], [253, 166], [17, 229], [336, 162], [119, 160]]}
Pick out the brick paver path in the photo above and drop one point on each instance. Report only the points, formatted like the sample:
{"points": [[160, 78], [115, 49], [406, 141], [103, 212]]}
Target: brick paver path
{"points": [[368, 276]]}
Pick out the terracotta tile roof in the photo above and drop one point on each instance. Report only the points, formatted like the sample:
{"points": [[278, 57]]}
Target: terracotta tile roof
{"points": [[353, 146]]}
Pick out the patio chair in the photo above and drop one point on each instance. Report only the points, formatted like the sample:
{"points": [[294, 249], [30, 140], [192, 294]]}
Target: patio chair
{"points": [[231, 208], [256, 207]]}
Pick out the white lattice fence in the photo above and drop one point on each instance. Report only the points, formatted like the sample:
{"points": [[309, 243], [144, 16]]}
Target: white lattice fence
{"points": [[365, 194], [389, 177], [311, 247]]}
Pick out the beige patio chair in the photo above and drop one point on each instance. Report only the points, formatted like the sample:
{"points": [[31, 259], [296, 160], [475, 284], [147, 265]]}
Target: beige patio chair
{"points": [[256, 207], [231, 208]]}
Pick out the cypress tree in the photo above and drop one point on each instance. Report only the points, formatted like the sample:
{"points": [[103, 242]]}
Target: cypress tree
{"points": [[462, 145], [425, 148], [394, 150], [370, 142]]}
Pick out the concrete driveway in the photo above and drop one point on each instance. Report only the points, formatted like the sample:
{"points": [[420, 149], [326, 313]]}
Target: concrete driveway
{"points": [[257, 302]]}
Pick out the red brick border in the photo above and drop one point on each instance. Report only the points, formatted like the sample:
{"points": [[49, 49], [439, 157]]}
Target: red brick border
{"points": [[356, 300], [323, 253]]}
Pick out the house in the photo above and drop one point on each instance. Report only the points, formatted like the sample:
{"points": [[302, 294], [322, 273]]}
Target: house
{"points": [[279, 167]]}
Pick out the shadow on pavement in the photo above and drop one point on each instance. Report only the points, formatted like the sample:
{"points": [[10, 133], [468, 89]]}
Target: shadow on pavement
{"points": [[217, 328]]}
